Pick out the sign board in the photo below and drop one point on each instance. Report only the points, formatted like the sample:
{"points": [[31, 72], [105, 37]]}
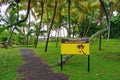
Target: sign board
{"points": [[75, 46]]}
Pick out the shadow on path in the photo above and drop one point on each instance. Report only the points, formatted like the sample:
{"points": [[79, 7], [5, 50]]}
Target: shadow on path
{"points": [[35, 68]]}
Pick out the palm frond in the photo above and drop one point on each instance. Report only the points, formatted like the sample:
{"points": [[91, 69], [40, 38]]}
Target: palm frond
{"points": [[18, 30], [80, 18]]}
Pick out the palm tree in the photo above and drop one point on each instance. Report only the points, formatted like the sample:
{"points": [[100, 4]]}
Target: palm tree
{"points": [[46, 46], [27, 36], [38, 33], [21, 21], [69, 4], [17, 22], [113, 5], [100, 21]]}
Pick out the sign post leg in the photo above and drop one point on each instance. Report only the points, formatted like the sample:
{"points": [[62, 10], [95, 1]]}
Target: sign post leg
{"points": [[88, 63], [61, 63]]}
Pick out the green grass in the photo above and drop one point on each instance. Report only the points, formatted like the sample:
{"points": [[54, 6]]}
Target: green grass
{"points": [[10, 60], [105, 64]]}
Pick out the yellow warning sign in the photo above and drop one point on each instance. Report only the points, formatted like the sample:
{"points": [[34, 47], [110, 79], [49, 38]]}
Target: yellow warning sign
{"points": [[74, 46]]}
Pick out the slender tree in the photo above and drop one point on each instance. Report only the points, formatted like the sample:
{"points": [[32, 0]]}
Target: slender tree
{"points": [[55, 8], [27, 38], [69, 32], [100, 21], [39, 28], [107, 18]]}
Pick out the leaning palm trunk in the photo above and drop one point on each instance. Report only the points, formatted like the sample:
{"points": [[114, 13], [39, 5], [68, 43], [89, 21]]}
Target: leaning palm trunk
{"points": [[46, 46], [9, 38]]}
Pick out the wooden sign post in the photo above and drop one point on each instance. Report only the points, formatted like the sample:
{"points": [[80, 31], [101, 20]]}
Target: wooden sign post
{"points": [[75, 46]]}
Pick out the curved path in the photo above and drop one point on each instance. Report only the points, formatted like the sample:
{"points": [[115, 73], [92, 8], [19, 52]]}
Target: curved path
{"points": [[36, 69]]}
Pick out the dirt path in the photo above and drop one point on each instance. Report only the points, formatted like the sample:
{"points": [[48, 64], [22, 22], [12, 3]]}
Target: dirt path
{"points": [[36, 69]]}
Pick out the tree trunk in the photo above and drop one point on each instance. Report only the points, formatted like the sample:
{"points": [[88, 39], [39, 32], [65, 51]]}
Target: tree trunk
{"points": [[64, 60], [98, 33], [46, 46], [79, 30], [59, 27], [57, 38], [69, 30], [86, 25], [89, 24], [27, 39], [74, 30], [107, 19], [39, 28], [100, 20]]}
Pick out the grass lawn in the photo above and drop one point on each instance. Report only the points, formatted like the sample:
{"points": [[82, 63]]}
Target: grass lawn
{"points": [[105, 64], [10, 60]]}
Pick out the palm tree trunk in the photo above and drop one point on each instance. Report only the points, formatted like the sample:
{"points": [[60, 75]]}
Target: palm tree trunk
{"points": [[89, 25], [59, 27], [39, 28], [27, 38], [107, 19], [69, 30], [74, 26], [79, 30], [100, 20], [57, 37], [46, 46], [86, 25]]}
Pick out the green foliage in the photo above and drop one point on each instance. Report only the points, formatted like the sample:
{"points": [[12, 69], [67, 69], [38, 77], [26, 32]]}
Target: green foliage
{"points": [[3, 36], [10, 60], [31, 40], [104, 63], [93, 29], [115, 27], [2, 28], [85, 25], [21, 39], [54, 39]]}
